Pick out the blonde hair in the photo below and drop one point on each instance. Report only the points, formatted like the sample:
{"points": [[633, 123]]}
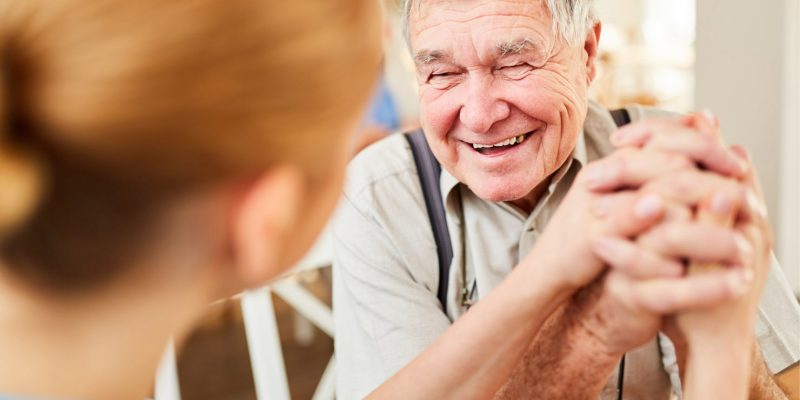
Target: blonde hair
{"points": [[109, 108]]}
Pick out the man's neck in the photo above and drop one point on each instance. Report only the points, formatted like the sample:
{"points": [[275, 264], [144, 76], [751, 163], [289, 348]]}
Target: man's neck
{"points": [[528, 203]]}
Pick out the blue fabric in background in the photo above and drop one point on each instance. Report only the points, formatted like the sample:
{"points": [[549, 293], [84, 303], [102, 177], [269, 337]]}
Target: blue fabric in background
{"points": [[383, 110]]}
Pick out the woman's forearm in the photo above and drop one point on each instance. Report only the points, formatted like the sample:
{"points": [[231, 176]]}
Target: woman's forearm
{"points": [[719, 367]]}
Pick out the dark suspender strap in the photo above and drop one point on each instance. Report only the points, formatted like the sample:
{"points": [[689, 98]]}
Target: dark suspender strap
{"points": [[620, 377], [621, 118], [429, 172]]}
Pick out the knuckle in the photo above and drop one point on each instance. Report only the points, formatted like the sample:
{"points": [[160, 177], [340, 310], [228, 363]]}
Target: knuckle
{"points": [[630, 260], [671, 238], [616, 286], [648, 240], [637, 298], [615, 166], [660, 267], [679, 213], [669, 301], [675, 210], [740, 194], [680, 297], [720, 292], [679, 162], [626, 152], [707, 145], [681, 182], [620, 167]]}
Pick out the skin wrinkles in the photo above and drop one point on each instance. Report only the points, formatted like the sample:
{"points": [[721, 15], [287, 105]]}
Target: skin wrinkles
{"points": [[485, 97], [526, 48], [452, 12]]}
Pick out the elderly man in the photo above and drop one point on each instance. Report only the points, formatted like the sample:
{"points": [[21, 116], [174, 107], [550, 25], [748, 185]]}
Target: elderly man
{"points": [[531, 183]]}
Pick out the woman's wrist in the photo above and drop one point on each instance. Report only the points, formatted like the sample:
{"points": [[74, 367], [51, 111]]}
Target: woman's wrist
{"points": [[724, 358], [721, 337], [718, 372]]}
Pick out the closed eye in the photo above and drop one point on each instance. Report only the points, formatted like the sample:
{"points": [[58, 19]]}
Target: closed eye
{"points": [[516, 71], [443, 79]]}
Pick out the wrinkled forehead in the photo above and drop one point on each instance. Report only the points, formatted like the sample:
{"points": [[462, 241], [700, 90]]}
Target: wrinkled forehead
{"points": [[486, 24]]}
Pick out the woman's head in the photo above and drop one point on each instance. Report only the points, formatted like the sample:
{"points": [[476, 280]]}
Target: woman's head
{"points": [[112, 112]]}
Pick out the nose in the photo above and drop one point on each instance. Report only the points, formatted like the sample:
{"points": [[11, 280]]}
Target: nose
{"points": [[482, 108]]}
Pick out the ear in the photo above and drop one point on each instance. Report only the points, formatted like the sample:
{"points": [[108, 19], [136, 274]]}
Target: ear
{"points": [[262, 220], [590, 50]]}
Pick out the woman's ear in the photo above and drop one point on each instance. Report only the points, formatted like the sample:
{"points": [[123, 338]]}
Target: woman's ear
{"points": [[262, 224], [590, 48]]}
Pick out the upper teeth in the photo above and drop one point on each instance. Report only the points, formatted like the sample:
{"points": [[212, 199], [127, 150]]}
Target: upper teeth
{"points": [[513, 140]]}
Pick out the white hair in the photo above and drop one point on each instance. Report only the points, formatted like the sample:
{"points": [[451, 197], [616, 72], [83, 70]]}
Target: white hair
{"points": [[571, 18]]}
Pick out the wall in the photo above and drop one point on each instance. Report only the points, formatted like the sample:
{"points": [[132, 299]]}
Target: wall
{"points": [[741, 60], [789, 234]]}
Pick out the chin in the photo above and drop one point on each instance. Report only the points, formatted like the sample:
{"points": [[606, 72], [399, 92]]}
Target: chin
{"points": [[502, 190]]}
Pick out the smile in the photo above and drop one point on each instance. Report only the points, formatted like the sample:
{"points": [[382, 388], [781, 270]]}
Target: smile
{"points": [[502, 145]]}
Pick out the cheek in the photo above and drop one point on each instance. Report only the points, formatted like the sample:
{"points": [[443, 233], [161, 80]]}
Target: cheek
{"points": [[546, 95], [439, 110], [556, 101], [551, 98]]}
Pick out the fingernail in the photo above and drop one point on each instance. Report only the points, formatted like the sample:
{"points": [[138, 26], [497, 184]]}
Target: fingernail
{"points": [[742, 158], [721, 204], [648, 206], [755, 204], [744, 167], [744, 247], [709, 117]]}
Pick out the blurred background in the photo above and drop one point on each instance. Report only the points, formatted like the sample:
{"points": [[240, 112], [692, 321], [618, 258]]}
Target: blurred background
{"points": [[739, 59]]}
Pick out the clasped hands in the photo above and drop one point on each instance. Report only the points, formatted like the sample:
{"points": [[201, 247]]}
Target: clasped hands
{"points": [[669, 233]]}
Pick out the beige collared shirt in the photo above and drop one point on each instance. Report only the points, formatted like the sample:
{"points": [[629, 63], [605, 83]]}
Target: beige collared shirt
{"points": [[386, 268]]}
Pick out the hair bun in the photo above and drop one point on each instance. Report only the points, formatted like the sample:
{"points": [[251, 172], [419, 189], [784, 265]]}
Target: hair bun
{"points": [[21, 184], [21, 173]]}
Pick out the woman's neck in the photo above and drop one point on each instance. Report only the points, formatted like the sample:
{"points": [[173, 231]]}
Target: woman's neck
{"points": [[106, 345]]}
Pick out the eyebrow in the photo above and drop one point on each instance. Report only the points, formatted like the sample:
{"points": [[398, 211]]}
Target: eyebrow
{"points": [[515, 47], [505, 48], [427, 57]]}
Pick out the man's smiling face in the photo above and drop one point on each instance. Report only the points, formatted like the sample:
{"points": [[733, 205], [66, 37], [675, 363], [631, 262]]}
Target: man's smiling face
{"points": [[502, 96]]}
